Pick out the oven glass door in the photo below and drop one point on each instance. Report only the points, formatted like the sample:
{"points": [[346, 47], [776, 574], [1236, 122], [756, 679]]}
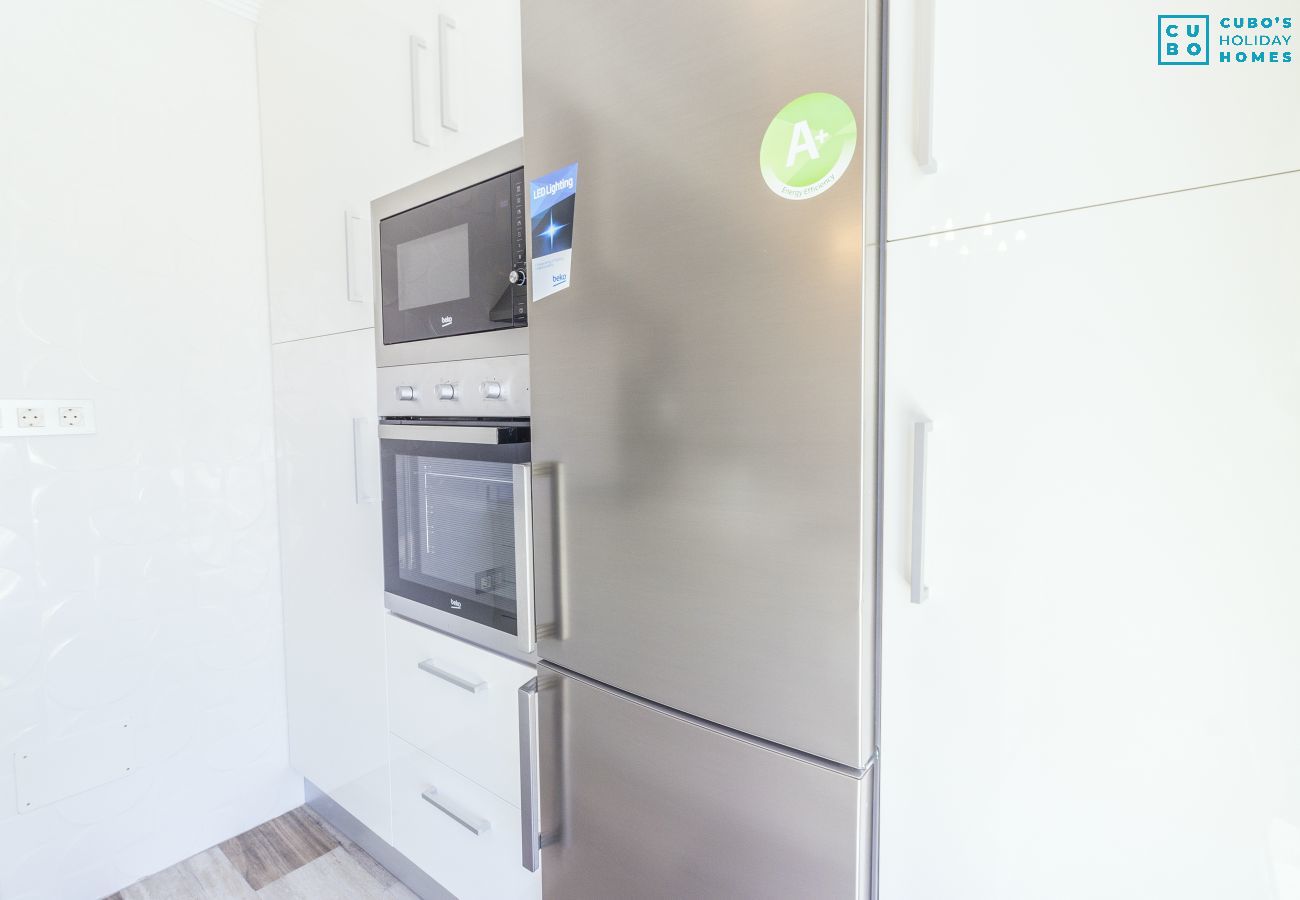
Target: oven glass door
{"points": [[450, 517], [445, 265]]}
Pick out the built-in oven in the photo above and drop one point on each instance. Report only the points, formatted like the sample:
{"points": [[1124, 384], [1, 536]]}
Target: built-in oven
{"points": [[457, 527], [450, 266]]}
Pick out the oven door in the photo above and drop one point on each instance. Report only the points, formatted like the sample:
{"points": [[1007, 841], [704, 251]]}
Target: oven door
{"points": [[446, 266], [458, 530]]}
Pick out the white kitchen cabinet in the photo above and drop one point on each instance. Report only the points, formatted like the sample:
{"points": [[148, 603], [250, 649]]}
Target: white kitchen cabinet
{"points": [[457, 702], [1098, 696], [466, 837], [342, 96], [1033, 110], [332, 570]]}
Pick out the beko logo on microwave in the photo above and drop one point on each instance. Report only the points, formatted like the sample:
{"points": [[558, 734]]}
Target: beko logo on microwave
{"points": [[1187, 41], [455, 604], [446, 320]]}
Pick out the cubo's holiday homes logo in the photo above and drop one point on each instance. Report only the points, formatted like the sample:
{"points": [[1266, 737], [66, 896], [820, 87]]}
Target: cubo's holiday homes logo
{"points": [[1187, 40]]}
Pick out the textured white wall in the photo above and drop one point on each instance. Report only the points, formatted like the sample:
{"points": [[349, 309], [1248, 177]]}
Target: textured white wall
{"points": [[138, 567]]}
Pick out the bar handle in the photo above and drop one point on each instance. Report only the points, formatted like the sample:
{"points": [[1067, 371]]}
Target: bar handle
{"points": [[356, 240], [419, 50], [550, 583], [522, 477], [474, 687], [530, 782], [448, 70], [364, 464], [920, 463], [926, 13], [474, 823]]}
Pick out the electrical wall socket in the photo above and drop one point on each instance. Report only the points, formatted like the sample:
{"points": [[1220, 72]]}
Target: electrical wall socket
{"points": [[27, 418]]}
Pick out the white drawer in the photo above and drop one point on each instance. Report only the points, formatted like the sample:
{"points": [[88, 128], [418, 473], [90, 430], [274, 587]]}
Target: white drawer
{"points": [[466, 838], [458, 703]]}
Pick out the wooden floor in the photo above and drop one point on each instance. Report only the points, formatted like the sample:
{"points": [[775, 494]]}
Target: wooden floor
{"points": [[298, 856]]}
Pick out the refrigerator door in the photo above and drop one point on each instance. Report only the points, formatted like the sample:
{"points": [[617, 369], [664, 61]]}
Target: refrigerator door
{"points": [[638, 802], [701, 389]]}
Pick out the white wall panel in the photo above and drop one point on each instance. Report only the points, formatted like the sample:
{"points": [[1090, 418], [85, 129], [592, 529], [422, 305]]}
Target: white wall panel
{"points": [[138, 566]]}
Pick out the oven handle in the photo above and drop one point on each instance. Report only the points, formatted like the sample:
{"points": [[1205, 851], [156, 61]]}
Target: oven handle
{"points": [[522, 476], [447, 434]]}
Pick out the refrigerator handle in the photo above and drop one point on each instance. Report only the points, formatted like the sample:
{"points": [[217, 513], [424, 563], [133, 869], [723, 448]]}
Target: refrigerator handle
{"points": [[920, 463], [549, 615], [522, 476], [530, 794]]}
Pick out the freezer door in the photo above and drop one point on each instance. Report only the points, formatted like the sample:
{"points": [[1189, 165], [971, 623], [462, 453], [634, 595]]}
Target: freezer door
{"points": [[698, 390], [638, 802]]}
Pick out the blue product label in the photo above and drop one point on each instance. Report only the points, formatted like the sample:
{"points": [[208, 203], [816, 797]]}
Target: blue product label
{"points": [[552, 198]]}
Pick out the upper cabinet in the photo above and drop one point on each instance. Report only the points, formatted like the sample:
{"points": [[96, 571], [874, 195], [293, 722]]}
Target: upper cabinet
{"points": [[359, 99], [998, 111]]}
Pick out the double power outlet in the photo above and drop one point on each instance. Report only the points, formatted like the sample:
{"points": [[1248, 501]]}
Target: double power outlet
{"points": [[40, 418]]}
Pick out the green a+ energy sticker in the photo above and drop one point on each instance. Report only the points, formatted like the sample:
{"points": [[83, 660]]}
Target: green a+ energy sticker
{"points": [[808, 146]]}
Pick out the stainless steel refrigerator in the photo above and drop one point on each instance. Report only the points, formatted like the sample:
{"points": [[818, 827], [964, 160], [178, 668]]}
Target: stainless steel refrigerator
{"points": [[704, 436]]}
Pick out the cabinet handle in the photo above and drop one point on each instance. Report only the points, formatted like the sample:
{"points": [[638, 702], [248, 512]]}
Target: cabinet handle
{"points": [[448, 61], [926, 12], [469, 820], [920, 461], [474, 687], [356, 237], [419, 50], [522, 476], [530, 782], [365, 465]]}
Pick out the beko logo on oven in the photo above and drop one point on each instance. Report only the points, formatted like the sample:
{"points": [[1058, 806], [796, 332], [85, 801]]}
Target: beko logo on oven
{"points": [[455, 604], [446, 320]]}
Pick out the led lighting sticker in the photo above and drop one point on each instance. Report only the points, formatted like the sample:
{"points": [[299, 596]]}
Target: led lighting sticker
{"points": [[551, 199], [808, 146]]}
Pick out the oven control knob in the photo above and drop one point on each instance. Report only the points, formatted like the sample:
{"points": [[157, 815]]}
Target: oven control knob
{"points": [[492, 390], [517, 276], [446, 392], [405, 392]]}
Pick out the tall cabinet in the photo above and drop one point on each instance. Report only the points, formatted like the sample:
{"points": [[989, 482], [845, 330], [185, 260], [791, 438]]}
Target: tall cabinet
{"points": [[358, 98], [1091, 430]]}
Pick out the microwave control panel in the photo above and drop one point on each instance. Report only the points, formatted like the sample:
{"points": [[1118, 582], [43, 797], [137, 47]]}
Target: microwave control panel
{"points": [[494, 387]]}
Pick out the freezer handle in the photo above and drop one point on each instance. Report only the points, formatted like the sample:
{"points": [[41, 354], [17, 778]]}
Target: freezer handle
{"points": [[522, 475], [920, 464], [530, 794]]}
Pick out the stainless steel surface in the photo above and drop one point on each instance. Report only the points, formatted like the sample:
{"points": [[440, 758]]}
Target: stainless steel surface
{"points": [[510, 373], [454, 434], [405, 392], [522, 475], [472, 632], [507, 342], [530, 782], [651, 805], [474, 687], [475, 824], [351, 827], [715, 528], [920, 467]]}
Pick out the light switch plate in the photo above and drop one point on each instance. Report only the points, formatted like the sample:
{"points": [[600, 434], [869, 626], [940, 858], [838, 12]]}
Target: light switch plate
{"points": [[28, 417]]}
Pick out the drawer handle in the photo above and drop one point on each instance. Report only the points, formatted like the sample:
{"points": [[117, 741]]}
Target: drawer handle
{"points": [[474, 687], [467, 819]]}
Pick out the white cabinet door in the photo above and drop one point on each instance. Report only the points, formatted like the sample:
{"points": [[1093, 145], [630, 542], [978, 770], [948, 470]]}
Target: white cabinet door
{"points": [[1099, 696], [332, 570], [342, 95], [1055, 106]]}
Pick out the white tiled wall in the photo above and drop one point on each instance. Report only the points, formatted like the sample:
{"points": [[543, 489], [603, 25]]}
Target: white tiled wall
{"points": [[138, 566]]}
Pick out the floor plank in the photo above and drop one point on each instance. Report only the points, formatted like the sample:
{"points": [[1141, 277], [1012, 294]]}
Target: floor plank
{"points": [[175, 883], [364, 859], [334, 876], [218, 877], [273, 850]]}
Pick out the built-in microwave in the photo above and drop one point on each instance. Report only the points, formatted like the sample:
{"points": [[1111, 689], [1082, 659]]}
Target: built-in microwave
{"points": [[450, 264]]}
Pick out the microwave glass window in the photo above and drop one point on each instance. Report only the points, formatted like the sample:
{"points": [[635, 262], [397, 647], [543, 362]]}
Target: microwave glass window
{"points": [[433, 269], [455, 528]]}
